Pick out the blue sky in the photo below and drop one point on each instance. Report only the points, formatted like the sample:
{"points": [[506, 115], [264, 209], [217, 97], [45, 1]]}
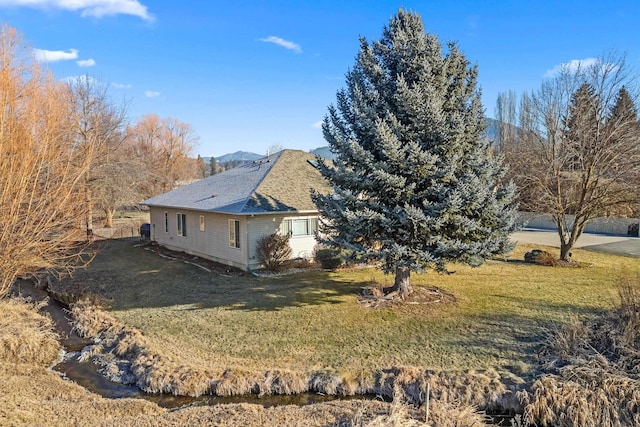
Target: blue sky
{"points": [[251, 74]]}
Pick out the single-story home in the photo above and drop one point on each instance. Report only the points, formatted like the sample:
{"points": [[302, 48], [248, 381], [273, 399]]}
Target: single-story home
{"points": [[222, 217]]}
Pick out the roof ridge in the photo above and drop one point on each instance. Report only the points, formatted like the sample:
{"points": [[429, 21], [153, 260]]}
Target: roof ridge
{"points": [[262, 160]]}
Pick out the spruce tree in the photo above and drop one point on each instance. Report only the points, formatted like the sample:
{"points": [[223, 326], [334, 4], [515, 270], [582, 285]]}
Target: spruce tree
{"points": [[213, 166], [414, 181], [624, 110]]}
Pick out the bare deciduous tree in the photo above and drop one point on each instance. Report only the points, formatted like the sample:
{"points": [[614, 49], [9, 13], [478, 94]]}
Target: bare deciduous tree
{"points": [[118, 182], [98, 135], [576, 152], [41, 176], [164, 145]]}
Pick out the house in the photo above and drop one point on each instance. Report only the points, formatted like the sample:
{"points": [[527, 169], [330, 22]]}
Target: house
{"points": [[222, 217]]}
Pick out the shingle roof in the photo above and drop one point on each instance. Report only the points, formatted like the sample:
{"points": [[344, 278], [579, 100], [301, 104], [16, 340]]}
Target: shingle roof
{"points": [[277, 183]]}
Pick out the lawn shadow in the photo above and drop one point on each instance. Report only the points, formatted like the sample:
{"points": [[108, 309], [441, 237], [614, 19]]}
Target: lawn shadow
{"points": [[517, 336], [129, 276]]}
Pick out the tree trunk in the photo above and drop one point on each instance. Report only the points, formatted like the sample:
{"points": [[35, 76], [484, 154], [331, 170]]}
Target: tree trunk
{"points": [[402, 283], [89, 217], [565, 251], [566, 234], [108, 223]]}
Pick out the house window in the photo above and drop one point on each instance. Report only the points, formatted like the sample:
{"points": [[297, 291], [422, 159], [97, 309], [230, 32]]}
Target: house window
{"points": [[299, 227], [182, 225], [201, 222], [166, 222], [234, 233]]}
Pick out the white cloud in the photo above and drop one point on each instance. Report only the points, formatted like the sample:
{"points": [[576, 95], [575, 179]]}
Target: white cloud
{"points": [[571, 66], [121, 85], [86, 63], [284, 43], [81, 80], [317, 125], [96, 8], [43, 55], [151, 94]]}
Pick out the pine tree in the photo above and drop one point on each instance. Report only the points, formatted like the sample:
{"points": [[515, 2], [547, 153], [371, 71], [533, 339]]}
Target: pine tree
{"points": [[581, 125], [624, 110], [414, 182], [213, 166]]}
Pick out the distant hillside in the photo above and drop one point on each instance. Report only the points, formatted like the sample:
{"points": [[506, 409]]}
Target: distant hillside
{"points": [[324, 152], [492, 130], [240, 157]]}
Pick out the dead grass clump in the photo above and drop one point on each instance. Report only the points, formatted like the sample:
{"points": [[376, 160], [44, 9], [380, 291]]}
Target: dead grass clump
{"points": [[326, 382], [586, 396], [156, 374], [592, 370], [234, 382], [283, 382], [434, 413], [449, 414], [89, 320], [26, 336], [480, 390], [346, 383], [565, 343]]}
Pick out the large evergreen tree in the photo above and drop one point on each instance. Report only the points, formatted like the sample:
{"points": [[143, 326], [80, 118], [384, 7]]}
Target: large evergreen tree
{"points": [[414, 180]]}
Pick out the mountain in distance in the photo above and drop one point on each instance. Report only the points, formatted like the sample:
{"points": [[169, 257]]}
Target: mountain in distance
{"points": [[240, 157], [492, 130], [324, 152]]}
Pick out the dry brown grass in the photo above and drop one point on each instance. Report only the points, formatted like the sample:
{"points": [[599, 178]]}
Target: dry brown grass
{"points": [[592, 369], [154, 372], [353, 413], [338, 414], [33, 395], [433, 413], [25, 335], [585, 396]]}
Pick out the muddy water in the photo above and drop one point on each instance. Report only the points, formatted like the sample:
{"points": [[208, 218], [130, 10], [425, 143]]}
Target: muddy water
{"points": [[87, 375]]}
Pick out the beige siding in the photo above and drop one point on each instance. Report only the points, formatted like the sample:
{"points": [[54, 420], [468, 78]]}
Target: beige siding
{"points": [[212, 243], [264, 225], [302, 246], [260, 225]]}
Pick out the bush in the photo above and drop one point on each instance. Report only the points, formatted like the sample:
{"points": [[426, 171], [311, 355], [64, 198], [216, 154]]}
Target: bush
{"points": [[329, 258], [273, 251], [540, 257]]}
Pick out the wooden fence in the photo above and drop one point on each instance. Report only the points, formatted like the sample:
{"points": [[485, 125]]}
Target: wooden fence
{"points": [[117, 232]]}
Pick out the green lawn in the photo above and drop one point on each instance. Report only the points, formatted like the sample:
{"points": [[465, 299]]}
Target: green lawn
{"points": [[312, 320]]}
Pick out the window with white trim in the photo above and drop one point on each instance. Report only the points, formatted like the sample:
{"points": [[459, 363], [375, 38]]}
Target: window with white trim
{"points": [[234, 233], [166, 221], [299, 227], [201, 222], [182, 224]]}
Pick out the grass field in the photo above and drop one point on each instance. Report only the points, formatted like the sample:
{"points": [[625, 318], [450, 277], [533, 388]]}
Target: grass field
{"points": [[312, 320], [33, 395]]}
